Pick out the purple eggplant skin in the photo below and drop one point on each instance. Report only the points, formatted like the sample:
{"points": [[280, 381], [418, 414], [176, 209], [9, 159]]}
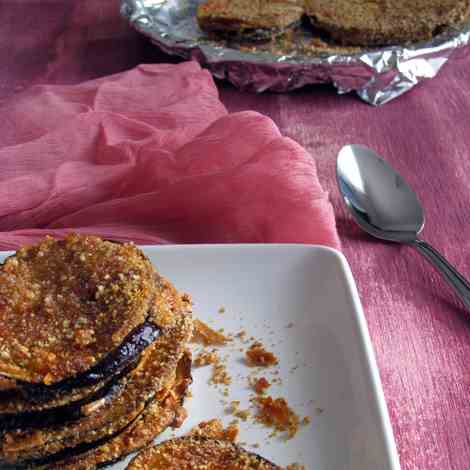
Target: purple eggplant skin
{"points": [[62, 414], [113, 364], [71, 452], [82, 448], [63, 454]]}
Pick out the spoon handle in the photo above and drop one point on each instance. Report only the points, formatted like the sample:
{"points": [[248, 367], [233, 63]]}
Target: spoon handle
{"points": [[460, 285]]}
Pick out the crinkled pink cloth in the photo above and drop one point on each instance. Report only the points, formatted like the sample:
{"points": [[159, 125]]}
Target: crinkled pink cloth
{"points": [[151, 155]]}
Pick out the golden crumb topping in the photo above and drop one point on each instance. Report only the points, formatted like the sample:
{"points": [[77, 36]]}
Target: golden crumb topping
{"points": [[65, 304], [232, 15], [198, 453], [380, 22], [155, 371]]}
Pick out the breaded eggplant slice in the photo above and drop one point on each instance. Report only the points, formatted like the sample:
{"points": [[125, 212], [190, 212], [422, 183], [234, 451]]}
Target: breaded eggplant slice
{"points": [[20, 412], [130, 396], [198, 453], [66, 304], [249, 20], [112, 366], [165, 411], [379, 23], [56, 416]]}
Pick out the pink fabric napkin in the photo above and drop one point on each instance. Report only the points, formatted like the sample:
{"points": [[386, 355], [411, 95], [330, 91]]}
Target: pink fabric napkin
{"points": [[151, 155]]}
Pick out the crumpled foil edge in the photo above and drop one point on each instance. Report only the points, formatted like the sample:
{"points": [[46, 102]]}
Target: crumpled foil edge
{"points": [[377, 76]]}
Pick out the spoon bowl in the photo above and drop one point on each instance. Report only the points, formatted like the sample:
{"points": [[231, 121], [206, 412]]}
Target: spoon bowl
{"points": [[385, 206], [380, 200]]}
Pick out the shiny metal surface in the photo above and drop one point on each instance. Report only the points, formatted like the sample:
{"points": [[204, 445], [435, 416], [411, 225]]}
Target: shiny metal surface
{"points": [[384, 205], [377, 76]]}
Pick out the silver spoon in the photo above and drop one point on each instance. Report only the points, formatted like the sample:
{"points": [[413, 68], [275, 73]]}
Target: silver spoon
{"points": [[385, 206]]}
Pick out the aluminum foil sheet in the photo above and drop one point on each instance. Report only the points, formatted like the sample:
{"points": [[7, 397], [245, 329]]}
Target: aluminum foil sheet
{"points": [[377, 76]]}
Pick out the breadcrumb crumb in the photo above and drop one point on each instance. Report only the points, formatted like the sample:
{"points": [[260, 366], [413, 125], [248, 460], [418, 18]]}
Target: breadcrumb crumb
{"points": [[205, 358], [276, 413], [258, 356], [214, 429], [220, 375], [260, 385], [205, 335]]}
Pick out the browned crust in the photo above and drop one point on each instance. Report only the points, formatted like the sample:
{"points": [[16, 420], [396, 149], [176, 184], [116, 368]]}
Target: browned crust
{"points": [[343, 25], [199, 453], [385, 22], [66, 304], [157, 417], [162, 311], [249, 18], [136, 390]]}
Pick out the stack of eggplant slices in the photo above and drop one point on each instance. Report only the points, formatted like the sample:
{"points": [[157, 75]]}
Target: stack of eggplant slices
{"points": [[93, 353]]}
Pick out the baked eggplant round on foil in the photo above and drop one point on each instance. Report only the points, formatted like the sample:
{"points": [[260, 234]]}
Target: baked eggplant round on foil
{"points": [[379, 23], [249, 20], [309, 54]]}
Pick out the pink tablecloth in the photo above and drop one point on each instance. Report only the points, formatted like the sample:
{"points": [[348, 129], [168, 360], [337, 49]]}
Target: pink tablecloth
{"points": [[420, 333]]}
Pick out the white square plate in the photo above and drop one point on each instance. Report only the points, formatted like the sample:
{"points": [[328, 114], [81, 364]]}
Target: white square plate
{"points": [[301, 302]]}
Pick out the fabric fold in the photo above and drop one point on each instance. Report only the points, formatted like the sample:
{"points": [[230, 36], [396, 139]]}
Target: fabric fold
{"points": [[152, 155]]}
